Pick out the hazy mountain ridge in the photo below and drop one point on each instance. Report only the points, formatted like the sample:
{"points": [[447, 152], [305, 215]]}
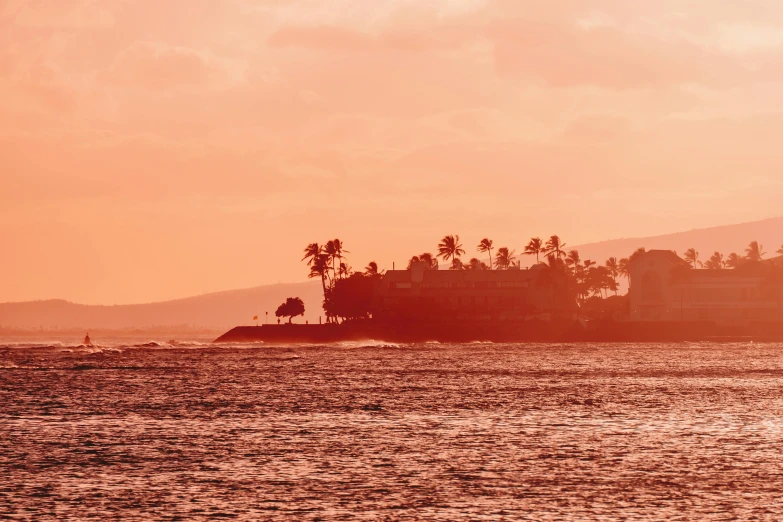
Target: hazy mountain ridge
{"points": [[223, 310], [724, 239], [220, 310]]}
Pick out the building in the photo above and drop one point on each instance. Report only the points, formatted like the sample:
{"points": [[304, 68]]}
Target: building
{"points": [[665, 288], [423, 294]]}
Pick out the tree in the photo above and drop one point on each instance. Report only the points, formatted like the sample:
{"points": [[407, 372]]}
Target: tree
{"points": [[504, 258], [475, 264], [450, 248], [779, 251], [486, 247], [320, 268], [573, 261], [624, 268], [312, 251], [639, 252], [339, 250], [555, 246], [372, 269], [613, 266], [430, 261], [534, 248], [692, 257], [331, 250], [715, 262], [351, 297], [754, 252], [456, 264], [292, 307], [734, 260]]}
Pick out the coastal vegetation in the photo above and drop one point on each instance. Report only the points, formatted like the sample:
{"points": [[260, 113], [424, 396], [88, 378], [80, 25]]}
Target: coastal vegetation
{"points": [[292, 307], [593, 286]]}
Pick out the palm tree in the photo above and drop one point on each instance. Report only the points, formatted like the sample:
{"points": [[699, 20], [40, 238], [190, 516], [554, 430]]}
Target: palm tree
{"points": [[320, 268], [475, 264], [450, 248], [734, 260], [504, 258], [715, 262], [486, 246], [456, 264], [639, 252], [692, 257], [372, 269], [430, 261], [624, 268], [754, 252], [330, 249], [339, 250], [345, 270], [311, 252], [555, 246], [614, 270], [535, 247], [572, 260]]}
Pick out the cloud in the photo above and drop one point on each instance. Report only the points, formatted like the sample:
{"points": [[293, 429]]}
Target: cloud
{"points": [[160, 66], [89, 14], [569, 56]]}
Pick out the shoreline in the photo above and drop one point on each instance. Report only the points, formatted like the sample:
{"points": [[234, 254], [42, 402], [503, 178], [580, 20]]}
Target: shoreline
{"points": [[528, 332]]}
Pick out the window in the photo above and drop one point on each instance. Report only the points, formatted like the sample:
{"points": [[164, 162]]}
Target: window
{"points": [[435, 285], [403, 285]]}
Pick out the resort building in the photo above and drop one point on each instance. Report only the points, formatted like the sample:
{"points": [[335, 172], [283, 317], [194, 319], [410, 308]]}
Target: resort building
{"points": [[664, 287], [426, 294]]}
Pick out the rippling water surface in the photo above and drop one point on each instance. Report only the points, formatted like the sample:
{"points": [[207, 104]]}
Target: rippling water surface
{"points": [[387, 432]]}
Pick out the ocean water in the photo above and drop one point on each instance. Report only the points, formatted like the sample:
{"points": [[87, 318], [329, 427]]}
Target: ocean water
{"points": [[373, 431]]}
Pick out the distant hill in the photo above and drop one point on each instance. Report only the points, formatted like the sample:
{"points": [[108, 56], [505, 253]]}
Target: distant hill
{"points": [[219, 311], [706, 241]]}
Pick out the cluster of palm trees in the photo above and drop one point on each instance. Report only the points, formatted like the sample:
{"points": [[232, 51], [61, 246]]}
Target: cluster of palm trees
{"points": [[328, 263], [450, 249], [717, 261]]}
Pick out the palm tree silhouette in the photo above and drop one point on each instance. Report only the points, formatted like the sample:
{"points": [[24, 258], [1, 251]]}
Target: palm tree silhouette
{"points": [[613, 266], [339, 250], [504, 258], [331, 250], [372, 269], [555, 246], [715, 262], [572, 261], [486, 246], [475, 264], [623, 267], [754, 252], [430, 260], [639, 252], [734, 260], [450, 248], [535, 247], [311, 252], [692, 257], [320, 268]]}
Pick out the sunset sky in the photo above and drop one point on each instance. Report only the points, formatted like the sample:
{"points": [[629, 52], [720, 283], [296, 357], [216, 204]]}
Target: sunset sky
{"points": [[155, 150]]}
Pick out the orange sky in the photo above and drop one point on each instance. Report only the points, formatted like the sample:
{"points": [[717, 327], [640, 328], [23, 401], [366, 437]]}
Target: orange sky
{"points": [[153, 150]]}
